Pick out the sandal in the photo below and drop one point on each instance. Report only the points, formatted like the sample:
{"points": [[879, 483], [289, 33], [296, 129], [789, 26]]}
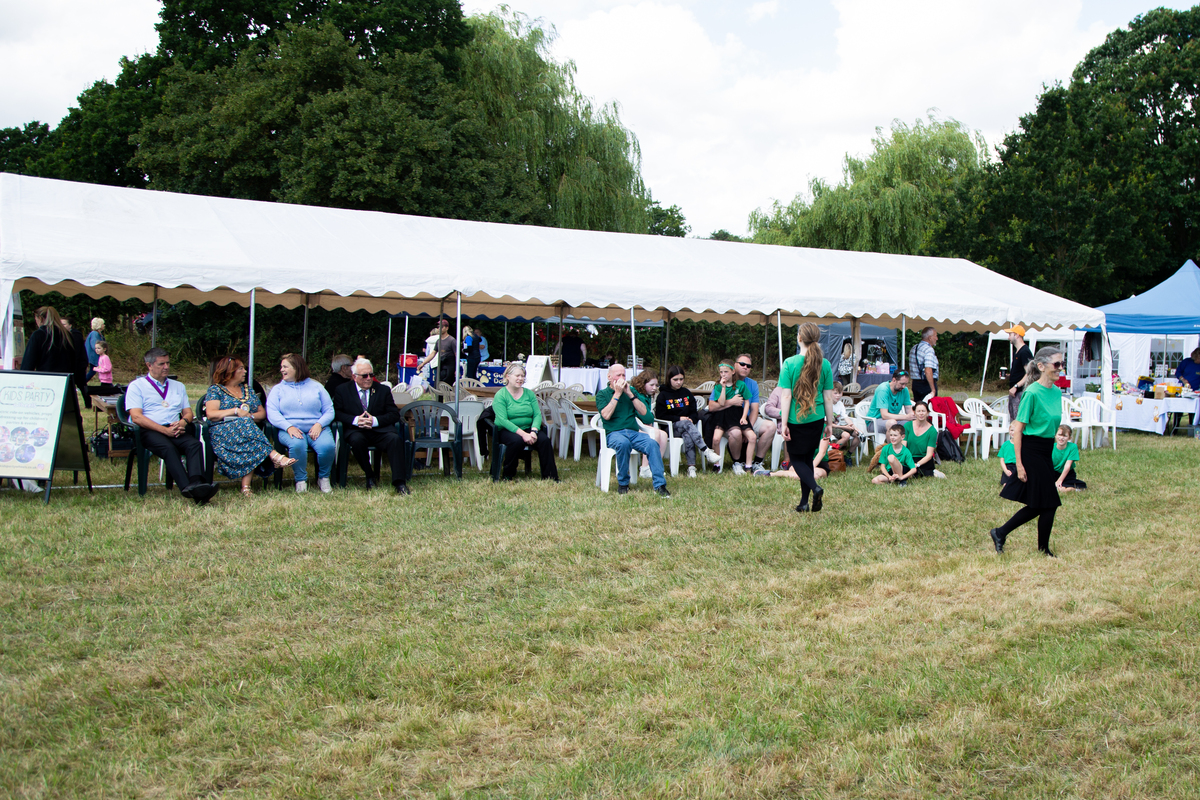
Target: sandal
{"points": [[280, 460], [246, 491]]}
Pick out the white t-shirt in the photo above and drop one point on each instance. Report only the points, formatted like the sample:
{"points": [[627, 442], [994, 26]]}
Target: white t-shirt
{"points": [[839, 410]]}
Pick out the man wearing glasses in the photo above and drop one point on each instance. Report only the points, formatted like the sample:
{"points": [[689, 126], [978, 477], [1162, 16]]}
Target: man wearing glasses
{"points": [[369, 416], [891, 404], [764, 428]]}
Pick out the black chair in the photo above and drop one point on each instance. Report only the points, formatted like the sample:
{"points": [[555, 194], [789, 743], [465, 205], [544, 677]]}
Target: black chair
{"points": [[272, 434], [206, 440], [345, 456], [497, 466], [139, 452], [427, 433]]}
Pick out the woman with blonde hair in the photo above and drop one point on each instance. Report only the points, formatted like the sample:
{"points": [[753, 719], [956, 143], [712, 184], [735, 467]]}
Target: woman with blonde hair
{"points": [[807, 400], [646, 382], [519, 423]]}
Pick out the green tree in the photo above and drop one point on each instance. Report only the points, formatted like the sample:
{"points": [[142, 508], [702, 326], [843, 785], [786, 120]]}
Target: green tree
{"points": [[886, 203], [667, 221], [20, 147], [723, 235], [1095, 196]]}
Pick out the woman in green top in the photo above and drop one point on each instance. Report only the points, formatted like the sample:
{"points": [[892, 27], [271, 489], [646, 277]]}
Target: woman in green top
{"points": [[1033, 432], [519, 423], [807, 403], [1065, 456], [921, 439]]}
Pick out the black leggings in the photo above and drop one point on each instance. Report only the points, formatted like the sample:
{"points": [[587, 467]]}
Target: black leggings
{"points": [[1045, 518], [802, 448]]}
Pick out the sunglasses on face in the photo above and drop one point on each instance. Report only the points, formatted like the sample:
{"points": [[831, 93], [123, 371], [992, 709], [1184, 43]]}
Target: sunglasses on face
{"points": [[743, 364], [1057, 364], [364, 374]]}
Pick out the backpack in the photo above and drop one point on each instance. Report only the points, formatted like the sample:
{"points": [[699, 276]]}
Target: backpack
{"points": [[948, 449]]}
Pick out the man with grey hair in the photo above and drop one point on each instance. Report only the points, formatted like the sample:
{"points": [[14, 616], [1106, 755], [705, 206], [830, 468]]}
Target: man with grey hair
{"points": [[161, 408], [922, 361], [340, 369], [369, 416]]}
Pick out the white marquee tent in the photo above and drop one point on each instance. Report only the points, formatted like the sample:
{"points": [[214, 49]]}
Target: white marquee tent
{"points": [[132, 243]]}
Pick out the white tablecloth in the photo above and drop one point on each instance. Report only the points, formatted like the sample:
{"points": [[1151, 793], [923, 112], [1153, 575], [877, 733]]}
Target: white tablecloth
{"points": [[1144, 414], [592, 378]]}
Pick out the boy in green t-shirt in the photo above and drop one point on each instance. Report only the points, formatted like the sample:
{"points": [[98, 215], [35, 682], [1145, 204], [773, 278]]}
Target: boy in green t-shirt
{"points": [[895, 462], [1065, 456]]}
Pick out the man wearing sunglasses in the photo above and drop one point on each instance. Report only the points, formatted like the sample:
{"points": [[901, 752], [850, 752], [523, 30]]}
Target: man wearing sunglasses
{"points": [[369, 416], [764, 428]]}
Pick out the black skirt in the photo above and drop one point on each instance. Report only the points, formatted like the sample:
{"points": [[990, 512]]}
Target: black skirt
{"points": [[1038, 490]]}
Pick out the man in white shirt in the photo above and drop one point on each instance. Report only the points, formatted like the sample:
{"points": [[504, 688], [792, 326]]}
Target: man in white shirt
{"points": [[160, 407]]}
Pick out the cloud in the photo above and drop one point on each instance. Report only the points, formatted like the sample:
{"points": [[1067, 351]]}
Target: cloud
{"points": [[760, 11]]}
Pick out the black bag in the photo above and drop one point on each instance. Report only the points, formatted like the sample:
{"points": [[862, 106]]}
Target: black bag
{"points": [[948, 449]]}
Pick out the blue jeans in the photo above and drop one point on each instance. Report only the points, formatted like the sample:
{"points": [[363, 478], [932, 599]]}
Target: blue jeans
{"points": [[625, 441], [298, 449]]}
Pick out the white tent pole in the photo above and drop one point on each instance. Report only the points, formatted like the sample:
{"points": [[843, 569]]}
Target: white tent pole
{"points": [[904, 340], [405, 350], [531, 337], [779, 331], [986, 355], [856, 333], [505, 340], [250, 366], [387, 366], [8, 343], [1106, 395], [633, 339], [304, 339]]}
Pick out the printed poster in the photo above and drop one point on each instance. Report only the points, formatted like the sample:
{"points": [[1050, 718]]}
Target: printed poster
{"points": [[31, 405]]}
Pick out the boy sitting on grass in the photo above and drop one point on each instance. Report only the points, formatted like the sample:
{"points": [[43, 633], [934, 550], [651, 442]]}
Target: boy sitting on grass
{"points": [[1065, 456], [895, 462]]}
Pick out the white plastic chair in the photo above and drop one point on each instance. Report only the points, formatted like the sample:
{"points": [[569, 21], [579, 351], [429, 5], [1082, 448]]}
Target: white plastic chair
{"points": [[1093, 414], [604, 463], [674, 443], [579, 427], [987, 424], [1076, 426], [468, 417], [707, 386]]}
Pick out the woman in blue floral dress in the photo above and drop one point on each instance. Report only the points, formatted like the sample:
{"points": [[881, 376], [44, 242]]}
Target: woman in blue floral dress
{"points": [[233, 413]]}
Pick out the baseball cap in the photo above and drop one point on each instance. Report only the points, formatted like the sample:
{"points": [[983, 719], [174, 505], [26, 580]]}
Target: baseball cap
{"points": [[1019, 330]]}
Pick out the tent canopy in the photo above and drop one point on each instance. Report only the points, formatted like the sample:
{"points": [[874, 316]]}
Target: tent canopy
{"points": [[1171, 307], [126, 243]]}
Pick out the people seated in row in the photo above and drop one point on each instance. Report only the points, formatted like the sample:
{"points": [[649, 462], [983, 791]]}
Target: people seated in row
{"points": [[896, 464], [234, 413], [920, 437], [891, 404], [301, 410], [519, 423], [621, 406], [729, 410], [677, 404], [368, 415], [764, 429], [160, 407], [1065, 456], [646, 382]]}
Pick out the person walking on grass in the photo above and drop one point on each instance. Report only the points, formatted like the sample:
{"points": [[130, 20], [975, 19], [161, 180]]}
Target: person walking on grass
{"points": [[807, 400], [1033, 434]]}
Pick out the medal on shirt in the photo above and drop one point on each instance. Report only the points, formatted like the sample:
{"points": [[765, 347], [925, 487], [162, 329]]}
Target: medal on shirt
{"points": [[161, 392]]}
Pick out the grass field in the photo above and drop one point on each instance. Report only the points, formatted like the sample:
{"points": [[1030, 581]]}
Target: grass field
{"points": [[533, 640]]}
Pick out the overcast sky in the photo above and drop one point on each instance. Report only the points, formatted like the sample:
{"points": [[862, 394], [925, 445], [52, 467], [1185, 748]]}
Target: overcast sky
{"points": [[734, 103]]}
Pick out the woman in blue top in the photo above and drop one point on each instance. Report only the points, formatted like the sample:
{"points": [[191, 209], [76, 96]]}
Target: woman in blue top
{"points": [[302, 410], [1033, 433], [807, 401]]}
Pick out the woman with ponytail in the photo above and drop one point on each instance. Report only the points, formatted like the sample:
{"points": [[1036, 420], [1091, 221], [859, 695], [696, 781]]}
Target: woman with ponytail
{"points": [[807, 383], [55, 348]]}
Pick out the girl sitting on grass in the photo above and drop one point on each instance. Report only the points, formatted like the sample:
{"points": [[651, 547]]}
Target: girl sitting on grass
{"points": [[1065, 456], [920, 437], [895, 462]]}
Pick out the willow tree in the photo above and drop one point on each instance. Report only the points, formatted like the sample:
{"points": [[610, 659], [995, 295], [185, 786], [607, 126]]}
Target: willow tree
{"points": [[586, 163], [886, 203]]}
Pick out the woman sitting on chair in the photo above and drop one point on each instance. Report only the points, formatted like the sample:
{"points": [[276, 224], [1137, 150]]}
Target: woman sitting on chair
{"points": [[519, 423], [233, 412], [646, 382], [302, 410]]}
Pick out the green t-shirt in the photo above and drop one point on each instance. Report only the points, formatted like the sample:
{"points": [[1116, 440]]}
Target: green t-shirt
{"points": [[1040, 410], [787, 378], [625, 417], [902, 455], [512, 413], [1007, 453], [918, 446], [720, 392], [885, 399], [1060, 457]]}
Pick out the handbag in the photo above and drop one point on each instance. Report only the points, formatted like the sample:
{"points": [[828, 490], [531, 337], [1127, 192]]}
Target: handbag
{"points": [[837, 460]]}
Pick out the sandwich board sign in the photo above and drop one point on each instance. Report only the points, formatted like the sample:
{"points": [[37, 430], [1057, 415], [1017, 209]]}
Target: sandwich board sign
{"points": [[41, 429], [537, 370]]}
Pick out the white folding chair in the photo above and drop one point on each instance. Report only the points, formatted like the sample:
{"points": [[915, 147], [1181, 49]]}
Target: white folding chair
{"points": [[674, 443], [604, 463], [1076, 425], [989, 425], [1093, 414]]}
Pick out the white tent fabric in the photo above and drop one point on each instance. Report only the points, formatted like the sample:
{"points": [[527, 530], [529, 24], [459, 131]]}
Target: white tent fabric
{"points": [[106, 241]]}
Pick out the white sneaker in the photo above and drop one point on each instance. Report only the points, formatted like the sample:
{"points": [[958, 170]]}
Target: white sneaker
{"points": [[711, 457], [691, 472], [324, 485], [301, 487], [738, 469], [645, 472]]}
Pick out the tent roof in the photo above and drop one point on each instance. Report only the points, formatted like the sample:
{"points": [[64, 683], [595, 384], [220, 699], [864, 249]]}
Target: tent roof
{"points": [[1171, 307], [108, 241]]}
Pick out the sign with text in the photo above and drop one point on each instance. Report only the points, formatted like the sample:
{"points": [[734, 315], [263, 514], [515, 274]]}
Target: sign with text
{"points": [[537, 370], [40, 426]]}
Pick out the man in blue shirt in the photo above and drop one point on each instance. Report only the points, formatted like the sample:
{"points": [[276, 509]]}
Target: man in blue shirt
{"points": [[1189, 369], [891, 403], [764, 428]]}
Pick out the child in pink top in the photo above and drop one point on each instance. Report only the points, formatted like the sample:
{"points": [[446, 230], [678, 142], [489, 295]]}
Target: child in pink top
{"points": [[104, 369]]}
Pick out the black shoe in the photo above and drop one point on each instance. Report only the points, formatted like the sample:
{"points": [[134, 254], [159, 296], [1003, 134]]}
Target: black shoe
{"points": [[997, 539], [188, 491], [802, 507], [903, 482], [1046, 550], [370, 484], [203, 492], [622, 490], [818, 495], [662, 492], [402, 488]]}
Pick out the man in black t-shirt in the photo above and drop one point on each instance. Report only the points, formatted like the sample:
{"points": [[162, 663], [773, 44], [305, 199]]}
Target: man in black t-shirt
{"points": [[1016, 373], [574, 351]]}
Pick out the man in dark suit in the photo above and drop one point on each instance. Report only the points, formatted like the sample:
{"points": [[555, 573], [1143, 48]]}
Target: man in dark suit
{"points": [[368, 416]]}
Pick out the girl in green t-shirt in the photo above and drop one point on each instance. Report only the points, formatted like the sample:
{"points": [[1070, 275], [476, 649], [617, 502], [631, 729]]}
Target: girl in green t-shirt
{"points": [[920, 437], [807, 404], [1065, 456], [729, 407]]}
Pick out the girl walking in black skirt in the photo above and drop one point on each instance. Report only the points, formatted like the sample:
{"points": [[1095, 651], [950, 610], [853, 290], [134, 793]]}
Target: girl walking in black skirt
{"points": [[1033, 433], [807, 403]]}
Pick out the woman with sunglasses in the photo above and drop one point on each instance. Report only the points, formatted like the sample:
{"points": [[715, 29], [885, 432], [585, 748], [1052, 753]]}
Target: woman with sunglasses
{"points": [[1033, 432]]}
